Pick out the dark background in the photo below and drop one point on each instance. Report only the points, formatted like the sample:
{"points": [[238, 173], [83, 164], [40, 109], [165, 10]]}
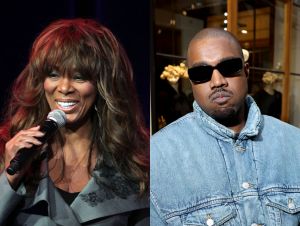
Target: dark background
{"points": [[22, 21]]}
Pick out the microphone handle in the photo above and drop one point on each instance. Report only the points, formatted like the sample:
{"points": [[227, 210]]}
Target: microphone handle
{"points": [[17, 163]]}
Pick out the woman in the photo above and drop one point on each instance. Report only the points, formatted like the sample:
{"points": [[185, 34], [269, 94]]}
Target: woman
{"points": [[94, 170]]}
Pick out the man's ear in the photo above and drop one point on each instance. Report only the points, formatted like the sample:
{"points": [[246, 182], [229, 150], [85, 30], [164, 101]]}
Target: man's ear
{"points": [[246, 70]]}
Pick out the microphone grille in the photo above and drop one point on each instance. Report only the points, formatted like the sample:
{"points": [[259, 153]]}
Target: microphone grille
{"points": [[58, 116]]}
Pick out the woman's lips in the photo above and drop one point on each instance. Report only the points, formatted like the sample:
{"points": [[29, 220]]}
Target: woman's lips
{"points": [[66, 105]]}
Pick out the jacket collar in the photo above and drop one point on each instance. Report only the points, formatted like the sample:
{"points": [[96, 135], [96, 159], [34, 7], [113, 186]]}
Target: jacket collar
{"points": [[47, 201], [107, 193], [252, 126]]}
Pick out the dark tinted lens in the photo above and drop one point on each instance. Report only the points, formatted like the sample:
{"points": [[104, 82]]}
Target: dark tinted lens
{"points": [[228, 68], [200, 74], [231, 67]]}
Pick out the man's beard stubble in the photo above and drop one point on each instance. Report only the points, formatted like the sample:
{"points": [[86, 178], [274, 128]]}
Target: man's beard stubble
{"points": [[229, 116]]}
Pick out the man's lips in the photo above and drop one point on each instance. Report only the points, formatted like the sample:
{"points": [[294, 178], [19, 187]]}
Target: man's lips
{"points": [[220, 97]]}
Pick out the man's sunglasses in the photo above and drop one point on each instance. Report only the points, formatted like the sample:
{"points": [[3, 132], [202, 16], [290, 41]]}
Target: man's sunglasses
{"points": [[228, 68]]}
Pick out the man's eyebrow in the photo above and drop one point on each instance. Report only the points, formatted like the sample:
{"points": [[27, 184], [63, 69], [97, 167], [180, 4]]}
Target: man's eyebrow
{"points": [[200, 63], [204, 63]]}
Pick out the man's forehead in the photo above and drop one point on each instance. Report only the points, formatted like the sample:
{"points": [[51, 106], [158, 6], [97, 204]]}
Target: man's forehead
{"points": [[211, 40], [211, 50]]}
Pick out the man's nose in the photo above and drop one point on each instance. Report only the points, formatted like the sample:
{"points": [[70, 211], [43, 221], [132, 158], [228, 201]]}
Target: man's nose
{"points": [[217, 79]]}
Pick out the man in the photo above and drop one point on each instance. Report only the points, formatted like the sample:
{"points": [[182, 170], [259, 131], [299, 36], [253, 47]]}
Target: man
{"points": [[224, 163]]}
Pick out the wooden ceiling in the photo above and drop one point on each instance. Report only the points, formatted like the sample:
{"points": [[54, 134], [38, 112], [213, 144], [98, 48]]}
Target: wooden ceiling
{"points": [[204, 8]]}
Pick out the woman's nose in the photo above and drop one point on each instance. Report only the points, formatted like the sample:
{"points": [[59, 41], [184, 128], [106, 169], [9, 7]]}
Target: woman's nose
{"points": [[65, 85]]}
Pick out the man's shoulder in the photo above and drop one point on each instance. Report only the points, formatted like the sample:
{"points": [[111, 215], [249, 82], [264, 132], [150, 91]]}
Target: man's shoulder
{"points": [[270, 120], [177, 137], [179, 126], [280, 127]]}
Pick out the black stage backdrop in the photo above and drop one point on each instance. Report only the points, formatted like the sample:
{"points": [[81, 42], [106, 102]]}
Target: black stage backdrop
{"points": [[21, 22]]}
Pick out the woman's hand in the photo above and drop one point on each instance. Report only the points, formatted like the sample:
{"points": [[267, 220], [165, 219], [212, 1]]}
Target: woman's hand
{"points": [[23, 139]]}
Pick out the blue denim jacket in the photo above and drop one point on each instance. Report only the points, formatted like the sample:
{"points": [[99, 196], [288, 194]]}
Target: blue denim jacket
{"points": [[202, 173]]}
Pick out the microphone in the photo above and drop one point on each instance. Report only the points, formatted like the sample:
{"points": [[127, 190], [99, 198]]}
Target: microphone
{"points": [[55, 120]]}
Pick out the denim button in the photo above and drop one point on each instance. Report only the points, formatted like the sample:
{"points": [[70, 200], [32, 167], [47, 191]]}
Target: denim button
{"points": [[291, 204], [246, 185], [210, 222], [240, 148]]}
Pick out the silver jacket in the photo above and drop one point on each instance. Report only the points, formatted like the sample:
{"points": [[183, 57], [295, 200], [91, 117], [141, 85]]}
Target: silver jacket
{"points": [[108, 199]]}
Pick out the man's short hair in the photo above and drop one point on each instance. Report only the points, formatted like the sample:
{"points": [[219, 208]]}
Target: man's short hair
{"points": [[217, 33]]}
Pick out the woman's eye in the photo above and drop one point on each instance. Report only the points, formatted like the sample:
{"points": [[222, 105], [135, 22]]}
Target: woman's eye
{"points": [[79, 77], [53, 74]]}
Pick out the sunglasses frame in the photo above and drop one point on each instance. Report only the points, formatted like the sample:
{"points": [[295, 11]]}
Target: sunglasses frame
{"points": [[205, 71]]}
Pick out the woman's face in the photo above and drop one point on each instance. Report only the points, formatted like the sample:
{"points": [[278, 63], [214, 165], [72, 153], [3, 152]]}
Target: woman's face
{"points": [[71, 93]]}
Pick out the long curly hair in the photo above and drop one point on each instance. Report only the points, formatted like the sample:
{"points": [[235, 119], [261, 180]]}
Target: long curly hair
{"points": [[118, 125]]}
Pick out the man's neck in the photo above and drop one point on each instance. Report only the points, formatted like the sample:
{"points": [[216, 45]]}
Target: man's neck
{"points": [[238, 128]]}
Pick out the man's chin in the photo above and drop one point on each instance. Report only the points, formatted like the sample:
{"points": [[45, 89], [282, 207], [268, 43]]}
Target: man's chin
{"points": [[227, 117]]}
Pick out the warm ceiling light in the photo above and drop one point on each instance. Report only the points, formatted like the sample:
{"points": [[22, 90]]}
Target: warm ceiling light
{"points": [[244, 31], [225, 14], [172, 21]]}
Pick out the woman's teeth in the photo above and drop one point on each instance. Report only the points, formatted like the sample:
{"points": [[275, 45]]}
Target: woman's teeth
{"points": [[66, 104]]}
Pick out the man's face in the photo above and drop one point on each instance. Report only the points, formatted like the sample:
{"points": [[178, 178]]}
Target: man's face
{"points": [[221, 97]]}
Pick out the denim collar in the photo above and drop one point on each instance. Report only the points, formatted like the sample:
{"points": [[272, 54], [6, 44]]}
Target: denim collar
{"points": [[252, 127]]}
